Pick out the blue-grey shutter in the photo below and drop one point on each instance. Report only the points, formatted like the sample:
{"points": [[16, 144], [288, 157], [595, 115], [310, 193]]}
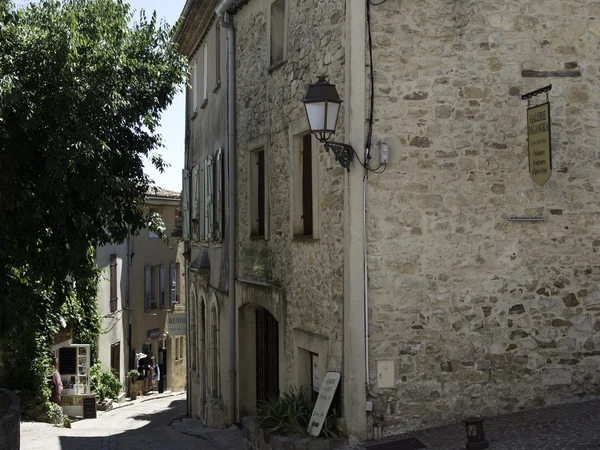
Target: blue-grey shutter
{"points": [[186, 205], [161, 279], [147, 288]]}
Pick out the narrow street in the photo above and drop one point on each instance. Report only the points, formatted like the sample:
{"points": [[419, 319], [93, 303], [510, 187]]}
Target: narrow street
{"points": [[151, 423]]}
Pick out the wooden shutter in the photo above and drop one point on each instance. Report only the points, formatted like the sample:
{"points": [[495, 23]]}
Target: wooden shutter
{"points": [[113, 282], [185, 205], [173, 283], [161, 280], [147, 288], [115, 359], [195, 195], [209, 197], [219, 223]]}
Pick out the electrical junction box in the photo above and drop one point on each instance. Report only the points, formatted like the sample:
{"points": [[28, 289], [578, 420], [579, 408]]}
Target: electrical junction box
{"points": [[385, 374], [384, 153]]}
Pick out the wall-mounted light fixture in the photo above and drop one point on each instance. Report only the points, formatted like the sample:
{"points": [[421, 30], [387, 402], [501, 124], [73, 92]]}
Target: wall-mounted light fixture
{"points": [[322, 104]]}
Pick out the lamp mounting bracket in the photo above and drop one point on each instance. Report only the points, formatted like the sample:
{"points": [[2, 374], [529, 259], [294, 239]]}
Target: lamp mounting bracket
{"points": [[344, 153]]}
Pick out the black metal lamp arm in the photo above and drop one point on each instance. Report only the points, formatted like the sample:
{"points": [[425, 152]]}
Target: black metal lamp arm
{"points": [[344, 153]]}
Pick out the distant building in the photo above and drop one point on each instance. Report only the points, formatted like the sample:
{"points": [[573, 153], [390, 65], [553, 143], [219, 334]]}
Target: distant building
{"points": [[142, 286]]}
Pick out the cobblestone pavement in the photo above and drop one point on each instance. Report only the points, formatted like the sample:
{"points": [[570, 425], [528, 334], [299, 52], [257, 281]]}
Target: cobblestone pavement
{"points": [[147, 424], [575, 426]]}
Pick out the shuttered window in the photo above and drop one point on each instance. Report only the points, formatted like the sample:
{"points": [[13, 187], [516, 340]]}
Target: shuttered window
{"points": [[208, 199], [219, 200], [173, 283], [185, 203], [161, 280], [195, 85], [205, 60], [147, 288], [195, 196], [113, 282]]}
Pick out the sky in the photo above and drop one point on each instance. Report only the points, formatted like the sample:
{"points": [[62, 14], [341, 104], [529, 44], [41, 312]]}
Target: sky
{"points": [[173, 123]]}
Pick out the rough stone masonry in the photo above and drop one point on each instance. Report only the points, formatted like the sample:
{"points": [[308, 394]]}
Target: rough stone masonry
{"points": [[482, 315]]}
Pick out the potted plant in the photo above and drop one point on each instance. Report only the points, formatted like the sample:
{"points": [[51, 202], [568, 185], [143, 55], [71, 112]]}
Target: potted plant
{"points": [[133, 376]]}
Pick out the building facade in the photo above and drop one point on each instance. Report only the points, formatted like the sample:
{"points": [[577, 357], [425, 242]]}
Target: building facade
{"points": [[141, 288], [442, 281], [205, 179], [113, 349]]}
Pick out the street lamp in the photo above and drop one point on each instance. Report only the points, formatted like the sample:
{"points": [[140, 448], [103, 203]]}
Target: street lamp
{"points": [[322, 105]]}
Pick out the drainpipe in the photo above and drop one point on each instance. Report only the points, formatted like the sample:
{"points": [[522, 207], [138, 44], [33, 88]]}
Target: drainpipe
{"points": [[221, 12]]}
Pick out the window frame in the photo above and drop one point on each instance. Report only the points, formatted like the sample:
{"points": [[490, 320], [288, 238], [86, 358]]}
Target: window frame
{"points": [[195, 86], [147, 288], [254, 209], [205, 75], [219, 217], [298, 129], [217, 56], [173, 283], [113, 283], [270, 63]]}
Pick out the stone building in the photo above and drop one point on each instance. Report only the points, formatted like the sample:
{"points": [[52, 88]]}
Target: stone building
{"points": [[205, 179], [468, 310]]}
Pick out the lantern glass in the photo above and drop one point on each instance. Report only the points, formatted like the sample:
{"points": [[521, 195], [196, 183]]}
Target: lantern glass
{"points": [[333, 109], [316, 116]]}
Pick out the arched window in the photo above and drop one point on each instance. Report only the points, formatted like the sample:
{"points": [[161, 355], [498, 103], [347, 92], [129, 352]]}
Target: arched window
{"points": [[214, 351]]}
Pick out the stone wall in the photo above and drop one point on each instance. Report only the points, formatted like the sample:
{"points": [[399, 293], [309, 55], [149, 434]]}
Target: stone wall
{"points": [[482, 315], [10, 420], [309, 271]]}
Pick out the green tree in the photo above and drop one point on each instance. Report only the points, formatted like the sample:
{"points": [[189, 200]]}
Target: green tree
{"points": [[82, 89]]}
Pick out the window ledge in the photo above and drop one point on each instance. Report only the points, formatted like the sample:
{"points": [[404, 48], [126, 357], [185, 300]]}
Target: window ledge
{"points": [[217, 86], [204, 103], [304, 238], [276, 66]]}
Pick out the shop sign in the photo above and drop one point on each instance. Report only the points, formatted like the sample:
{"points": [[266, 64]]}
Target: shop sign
{"points": [[176, 324], [326, 393], [154, 333], [539, 137]]}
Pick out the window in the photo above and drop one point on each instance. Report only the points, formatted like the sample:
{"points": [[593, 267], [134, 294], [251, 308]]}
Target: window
{"points": [[115, 359], [173, 283], [208, 199], [257, 193], [179, 348], [195, 197], [195, 85], [185, 205], [214, 351], [219, 216], [217, 55], [161, 278], [305, 192], [277, 32], [113, 282], [205, 90], [147, 288], [152, 234]]}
